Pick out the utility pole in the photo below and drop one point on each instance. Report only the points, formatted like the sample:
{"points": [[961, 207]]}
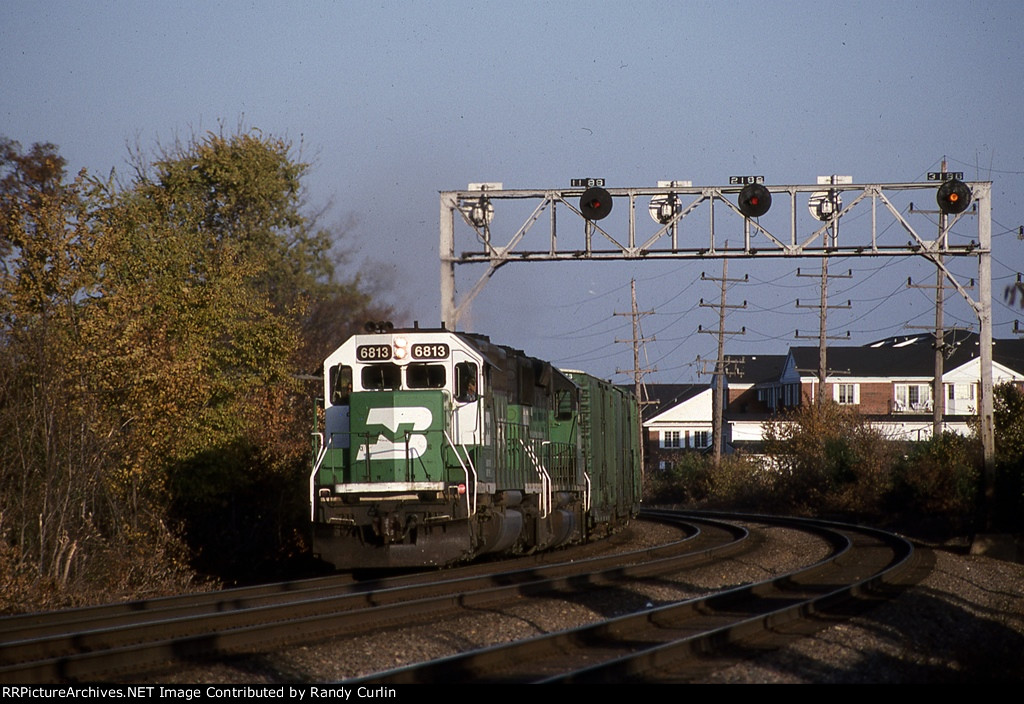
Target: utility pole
{"points": [[718, 397], [1019, 285], [825, 206], [939, 343], [938, 397], [637, 371], [822, 335]]}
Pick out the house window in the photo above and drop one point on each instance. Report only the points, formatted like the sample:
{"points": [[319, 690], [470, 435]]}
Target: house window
{"points": [[961, 392], [913, 397], [701, 438], [670, 438], [846, 394]]}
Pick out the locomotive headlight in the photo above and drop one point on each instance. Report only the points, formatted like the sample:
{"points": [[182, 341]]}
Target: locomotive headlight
{"points": [[401, 347]]}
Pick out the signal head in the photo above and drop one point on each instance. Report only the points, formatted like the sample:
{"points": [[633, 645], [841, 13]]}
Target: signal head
{"points": [[595, 203], [953, 196], [754, 200]]}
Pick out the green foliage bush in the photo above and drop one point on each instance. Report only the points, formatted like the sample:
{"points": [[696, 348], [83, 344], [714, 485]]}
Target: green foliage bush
{"points": [[743, 481], [939, 481], [1008, 410], [686, 478], [827, 459]]}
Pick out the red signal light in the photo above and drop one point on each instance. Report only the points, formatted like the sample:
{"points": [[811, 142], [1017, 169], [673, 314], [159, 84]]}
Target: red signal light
{"points": [[953, 196], [595, 203], [754, 200]]}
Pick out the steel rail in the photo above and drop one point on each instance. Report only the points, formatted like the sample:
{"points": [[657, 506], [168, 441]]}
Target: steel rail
{"points": [[122, 641], [635, 645], [78, 619], [809, 594]]}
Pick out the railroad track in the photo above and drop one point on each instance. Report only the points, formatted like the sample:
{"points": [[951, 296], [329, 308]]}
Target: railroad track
{"points": [[675, 641], [657, 643], [116, 640]]}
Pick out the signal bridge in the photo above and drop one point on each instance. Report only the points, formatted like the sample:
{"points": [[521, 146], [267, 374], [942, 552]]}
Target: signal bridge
{"points": [[809, 228], [712, 206]]}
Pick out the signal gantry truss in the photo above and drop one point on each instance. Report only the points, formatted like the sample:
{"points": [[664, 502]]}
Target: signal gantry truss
{"points": [[831, 225]]}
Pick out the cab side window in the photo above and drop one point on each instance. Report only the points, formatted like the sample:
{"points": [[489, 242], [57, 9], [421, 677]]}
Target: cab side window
{"points": [[565, 404], [466, 382], [341, 384]]}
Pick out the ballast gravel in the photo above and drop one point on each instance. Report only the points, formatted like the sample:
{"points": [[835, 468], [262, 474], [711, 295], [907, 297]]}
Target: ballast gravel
{"points": [[964, 622]]}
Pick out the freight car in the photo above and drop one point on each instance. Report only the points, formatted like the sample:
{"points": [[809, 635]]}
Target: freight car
{"points": [[433, 446]]}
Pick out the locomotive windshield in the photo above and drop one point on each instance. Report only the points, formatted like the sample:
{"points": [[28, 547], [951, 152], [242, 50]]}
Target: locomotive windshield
{"points": [[388, 377], [423, 367], [425, 376], [381, 377]]}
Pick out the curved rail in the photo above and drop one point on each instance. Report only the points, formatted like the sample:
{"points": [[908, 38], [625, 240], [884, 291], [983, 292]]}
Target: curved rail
{"points": [[88, 643], [647, 644]]}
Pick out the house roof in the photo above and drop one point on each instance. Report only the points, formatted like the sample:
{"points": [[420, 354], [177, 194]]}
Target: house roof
{"points": [[754, 368], [1009, 353], [913, 361], [666, 396], [906, 356]]}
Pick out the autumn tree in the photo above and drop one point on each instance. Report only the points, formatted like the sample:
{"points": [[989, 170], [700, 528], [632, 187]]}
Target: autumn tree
{"points": [[213, 277], [246, 191], [151, 334], [56, 503], [1009, 433]]}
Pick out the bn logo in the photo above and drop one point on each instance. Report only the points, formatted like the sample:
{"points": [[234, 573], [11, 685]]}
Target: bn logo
{"points": [[399, 433]]}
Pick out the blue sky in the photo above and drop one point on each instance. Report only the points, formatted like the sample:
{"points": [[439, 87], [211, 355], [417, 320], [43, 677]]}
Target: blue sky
{"points": [[395, 101]]}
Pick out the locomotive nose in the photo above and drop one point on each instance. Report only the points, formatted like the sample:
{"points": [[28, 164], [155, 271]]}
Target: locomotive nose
{"points": [[396, 436]]}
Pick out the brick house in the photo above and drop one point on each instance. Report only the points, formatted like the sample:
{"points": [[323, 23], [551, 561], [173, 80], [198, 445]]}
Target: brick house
{"points": [[889, 382], [677, 419]]}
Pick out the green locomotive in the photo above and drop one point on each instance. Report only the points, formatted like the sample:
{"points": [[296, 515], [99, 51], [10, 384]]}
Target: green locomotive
{"points": [[434, 446]]}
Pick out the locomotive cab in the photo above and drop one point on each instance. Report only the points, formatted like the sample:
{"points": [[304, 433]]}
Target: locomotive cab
{"points": [[395, 463]]}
